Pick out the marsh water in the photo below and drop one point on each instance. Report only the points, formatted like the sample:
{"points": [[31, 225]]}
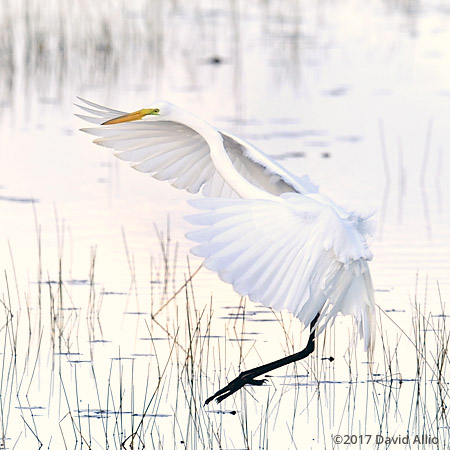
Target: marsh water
{"points": [[96, 350]]}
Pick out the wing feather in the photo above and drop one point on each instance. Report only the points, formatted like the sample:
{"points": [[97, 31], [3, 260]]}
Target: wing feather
{"points": [[276, 253], [101, 108], [140, 141], [192, 180], [163, 159], [178, 167]]}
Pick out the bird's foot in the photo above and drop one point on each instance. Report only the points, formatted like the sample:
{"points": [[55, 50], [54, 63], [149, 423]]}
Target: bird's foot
{"points": [[247, 377]]}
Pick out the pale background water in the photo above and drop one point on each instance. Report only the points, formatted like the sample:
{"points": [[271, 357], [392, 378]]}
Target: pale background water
{"points": [[355, 94]]}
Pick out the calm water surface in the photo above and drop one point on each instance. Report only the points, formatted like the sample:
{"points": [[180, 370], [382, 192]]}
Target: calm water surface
{"points": [[355, 94]]}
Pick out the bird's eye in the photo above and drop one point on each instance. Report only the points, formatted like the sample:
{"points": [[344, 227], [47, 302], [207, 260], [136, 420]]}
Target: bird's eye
{"points": [[156, 110]]}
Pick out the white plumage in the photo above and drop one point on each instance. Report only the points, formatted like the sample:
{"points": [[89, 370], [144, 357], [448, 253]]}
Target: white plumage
{"points": [[264, 230]]}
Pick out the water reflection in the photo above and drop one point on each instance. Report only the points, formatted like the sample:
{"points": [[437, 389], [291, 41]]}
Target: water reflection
{"points": [[101, 338], [18, 199]]}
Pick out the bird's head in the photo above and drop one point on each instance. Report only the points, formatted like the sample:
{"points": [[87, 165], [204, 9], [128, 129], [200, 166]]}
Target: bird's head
{"points": [[162, 108]]}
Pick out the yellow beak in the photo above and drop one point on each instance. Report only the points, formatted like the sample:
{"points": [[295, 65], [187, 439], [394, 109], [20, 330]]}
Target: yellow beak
{"points": [[137, 115]]}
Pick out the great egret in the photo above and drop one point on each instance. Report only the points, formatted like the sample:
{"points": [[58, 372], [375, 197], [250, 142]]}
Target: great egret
{"points": [[267, 232]]}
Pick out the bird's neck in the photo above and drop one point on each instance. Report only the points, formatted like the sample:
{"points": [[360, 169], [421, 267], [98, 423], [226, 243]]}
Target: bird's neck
{"points": [[222, 161]]}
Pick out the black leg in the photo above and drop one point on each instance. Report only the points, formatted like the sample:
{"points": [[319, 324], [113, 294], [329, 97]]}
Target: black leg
{"points": [[248, 377]]}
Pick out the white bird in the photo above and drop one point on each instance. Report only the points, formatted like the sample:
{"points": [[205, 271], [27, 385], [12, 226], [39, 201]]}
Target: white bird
{"points": [[264, 230]]}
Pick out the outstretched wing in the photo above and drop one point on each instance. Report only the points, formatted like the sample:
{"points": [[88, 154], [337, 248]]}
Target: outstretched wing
{"points": [[174, 152], [295, 253]]}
